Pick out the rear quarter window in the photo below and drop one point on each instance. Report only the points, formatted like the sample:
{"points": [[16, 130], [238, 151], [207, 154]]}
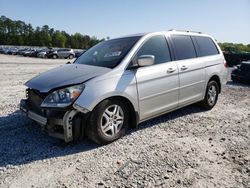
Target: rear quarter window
{"points": [[183, 47], [206, 46]]}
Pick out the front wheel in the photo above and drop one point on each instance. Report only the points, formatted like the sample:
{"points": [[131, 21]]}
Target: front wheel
{"points": [[108, 121], [211, 96]]}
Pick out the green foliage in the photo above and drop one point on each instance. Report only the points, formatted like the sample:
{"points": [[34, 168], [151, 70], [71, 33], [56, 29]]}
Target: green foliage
{"points": [[19, 33], [234, 47]]}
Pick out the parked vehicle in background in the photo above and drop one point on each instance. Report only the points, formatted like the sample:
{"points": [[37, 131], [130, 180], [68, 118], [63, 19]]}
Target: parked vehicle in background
{"points": [[43, 53], [1, 50], [28, 53], [78, 53], [241, 73], [21, 51], [234, 57], [35, 53], [11, 51], [61, 53], [121, 82], [52, 53], [6, 50]]}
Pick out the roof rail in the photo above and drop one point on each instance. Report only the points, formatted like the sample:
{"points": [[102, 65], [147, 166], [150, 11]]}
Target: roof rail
{"points": [[186, 31]]}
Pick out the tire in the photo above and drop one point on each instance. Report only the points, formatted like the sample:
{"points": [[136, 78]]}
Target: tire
{"points": [[105, 127], [71, 56], [54, 56], [211, 96]]}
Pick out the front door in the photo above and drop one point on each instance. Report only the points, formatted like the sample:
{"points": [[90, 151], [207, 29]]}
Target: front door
{"points": [[157, 84]]}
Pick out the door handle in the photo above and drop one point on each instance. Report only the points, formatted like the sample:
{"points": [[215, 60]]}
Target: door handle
{"points": [[170, 70], [184, 67]]}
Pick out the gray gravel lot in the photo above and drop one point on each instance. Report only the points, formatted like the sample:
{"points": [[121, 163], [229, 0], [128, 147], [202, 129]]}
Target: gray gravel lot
{"points": [[186, 148]]}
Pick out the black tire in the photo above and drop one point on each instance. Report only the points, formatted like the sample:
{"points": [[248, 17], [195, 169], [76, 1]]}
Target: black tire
{"points": [[71, 56], [94, 130], [206, 103]]}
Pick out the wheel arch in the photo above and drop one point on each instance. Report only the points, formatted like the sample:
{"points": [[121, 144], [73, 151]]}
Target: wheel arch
{"points": [[217, 79], [71, 55], [133, 114]]}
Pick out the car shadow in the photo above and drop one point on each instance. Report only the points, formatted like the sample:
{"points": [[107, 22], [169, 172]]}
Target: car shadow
{"points": [[191, 109], [22, 140]]}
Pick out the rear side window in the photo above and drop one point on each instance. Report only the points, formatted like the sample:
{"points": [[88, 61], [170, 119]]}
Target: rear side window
{"points": [[183, 47], [158, 47], [206, 46]]}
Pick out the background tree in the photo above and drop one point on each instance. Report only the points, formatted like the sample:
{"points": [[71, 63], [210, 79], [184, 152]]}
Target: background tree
{"points": [[58, 39], [17, 32], [20, 33]]}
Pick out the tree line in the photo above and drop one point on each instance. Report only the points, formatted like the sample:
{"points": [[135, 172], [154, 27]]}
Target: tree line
{"points": [[235, 47], [17, 32]]}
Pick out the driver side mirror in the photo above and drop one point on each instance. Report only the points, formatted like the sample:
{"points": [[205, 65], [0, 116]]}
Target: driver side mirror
{"points": [[146, 60]]}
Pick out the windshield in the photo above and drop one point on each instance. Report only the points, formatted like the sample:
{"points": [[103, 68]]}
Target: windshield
{"points": [[108, 53]]}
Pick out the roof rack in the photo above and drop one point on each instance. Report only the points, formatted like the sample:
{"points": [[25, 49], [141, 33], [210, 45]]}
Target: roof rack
{"points": [[186, 31]]}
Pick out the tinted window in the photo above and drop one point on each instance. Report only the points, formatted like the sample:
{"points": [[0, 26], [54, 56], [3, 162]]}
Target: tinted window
{"points": [[183, 47], [156, 46], [206, 46]]}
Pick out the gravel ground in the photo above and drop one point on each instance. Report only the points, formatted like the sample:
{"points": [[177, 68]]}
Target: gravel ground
{"points": [[186, 148]]}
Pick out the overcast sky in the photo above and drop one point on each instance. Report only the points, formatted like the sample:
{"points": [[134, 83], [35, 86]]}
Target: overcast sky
{"points": [[226, 20]]}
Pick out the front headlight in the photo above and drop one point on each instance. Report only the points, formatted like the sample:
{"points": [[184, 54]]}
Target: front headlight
{"points": [[63, 97]]}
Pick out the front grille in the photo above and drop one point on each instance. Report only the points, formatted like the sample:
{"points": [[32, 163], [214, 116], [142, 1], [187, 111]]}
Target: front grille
{"points": [[35, 99]]}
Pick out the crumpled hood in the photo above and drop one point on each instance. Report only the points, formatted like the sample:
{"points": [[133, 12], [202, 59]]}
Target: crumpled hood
{"points": [[65, 75]]}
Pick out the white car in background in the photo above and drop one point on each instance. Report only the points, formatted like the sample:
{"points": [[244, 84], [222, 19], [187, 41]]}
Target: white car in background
{"points": [[42, 54]]}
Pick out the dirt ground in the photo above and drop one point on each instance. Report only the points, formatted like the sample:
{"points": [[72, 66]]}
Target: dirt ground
{"points": [[186, 148]]}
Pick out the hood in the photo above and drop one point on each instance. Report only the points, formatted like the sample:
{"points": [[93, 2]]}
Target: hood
{"points": [[65, 75]]}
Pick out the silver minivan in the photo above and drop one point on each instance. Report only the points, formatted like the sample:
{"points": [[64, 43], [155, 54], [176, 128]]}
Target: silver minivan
{"points": [[119, 83]]}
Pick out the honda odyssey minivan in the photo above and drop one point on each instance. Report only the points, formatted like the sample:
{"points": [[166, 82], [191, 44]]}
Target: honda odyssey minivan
{"points": [[121, 82]]}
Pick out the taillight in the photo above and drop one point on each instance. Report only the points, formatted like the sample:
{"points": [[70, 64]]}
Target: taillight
{"points": [[225, 64]]}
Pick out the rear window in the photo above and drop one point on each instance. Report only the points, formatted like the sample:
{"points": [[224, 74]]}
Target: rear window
{"points": [[206, 46], [183, 47]]}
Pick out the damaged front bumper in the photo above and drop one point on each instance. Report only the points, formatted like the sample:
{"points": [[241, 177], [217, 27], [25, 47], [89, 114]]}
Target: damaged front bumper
{"points": [[60, 126]]}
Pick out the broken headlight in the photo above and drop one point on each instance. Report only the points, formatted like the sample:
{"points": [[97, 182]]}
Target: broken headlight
{"points": [[63, 97]]}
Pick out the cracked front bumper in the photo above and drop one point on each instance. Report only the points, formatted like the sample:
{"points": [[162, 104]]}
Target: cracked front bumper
{"points": [[52, 124], [32, 115]]}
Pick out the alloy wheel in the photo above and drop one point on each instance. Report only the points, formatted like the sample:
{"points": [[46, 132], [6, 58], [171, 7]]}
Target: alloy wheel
{"points": [[112, 120], [212, 94]]}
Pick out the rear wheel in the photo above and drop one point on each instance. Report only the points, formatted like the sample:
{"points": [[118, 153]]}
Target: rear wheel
{"points": [[71, 56], [211, 96], [108, 121]]}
